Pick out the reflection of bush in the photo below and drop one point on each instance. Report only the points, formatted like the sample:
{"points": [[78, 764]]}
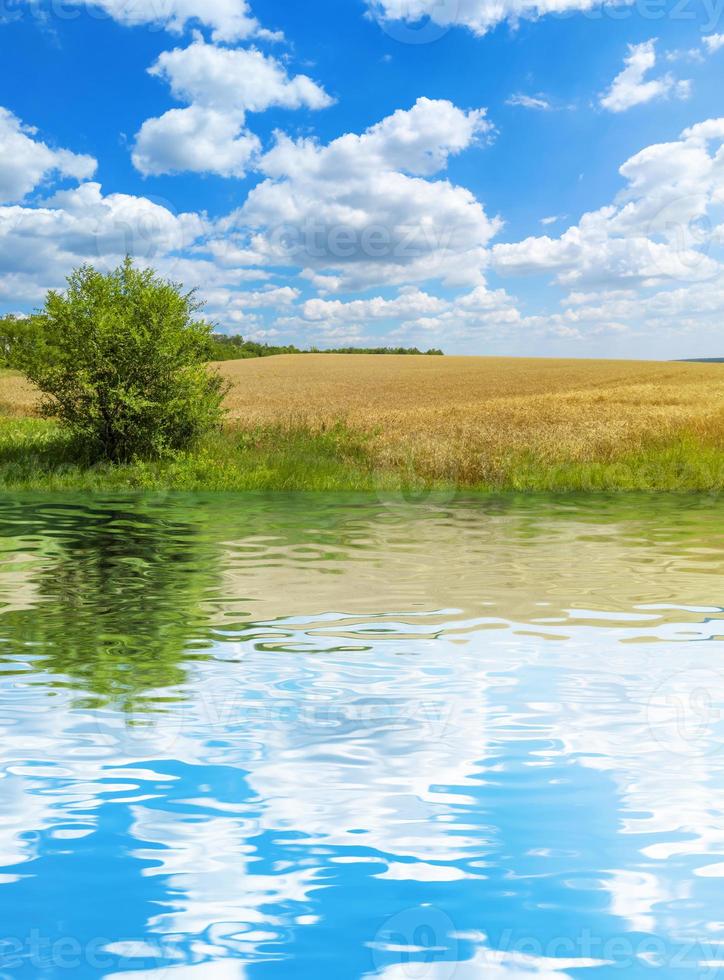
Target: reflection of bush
{"points": [[119, 600]]}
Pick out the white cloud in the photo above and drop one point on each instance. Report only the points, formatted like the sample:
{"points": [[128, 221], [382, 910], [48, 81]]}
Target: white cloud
{"points": [[479, 16], [242, 310], [686, 54], [360, 211], [664, 314], [374, 211], [653, 232], [229, 20], [40, 245], [410, 303], [25, 161], [273, 297], [195, 139], [631, 87], [713, 42], [705, 132], [529, 102], [414, 316], [221, 85], [235, 79]]}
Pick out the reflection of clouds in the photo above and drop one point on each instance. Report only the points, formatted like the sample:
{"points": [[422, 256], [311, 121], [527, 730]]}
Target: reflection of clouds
{"points": [[492, 965], [30, 738], [214, 889], [386, 782], [380, 783], [22, 810], [668, 801], [636, 894], [416, 670], [219, 970]]}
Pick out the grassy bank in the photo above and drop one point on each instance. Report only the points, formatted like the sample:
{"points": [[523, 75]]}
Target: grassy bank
{"points": [[335, 422], [35, 455]]}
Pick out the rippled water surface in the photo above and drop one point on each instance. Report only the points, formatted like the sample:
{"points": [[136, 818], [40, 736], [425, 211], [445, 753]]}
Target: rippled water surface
{"points": [[309, 736]]}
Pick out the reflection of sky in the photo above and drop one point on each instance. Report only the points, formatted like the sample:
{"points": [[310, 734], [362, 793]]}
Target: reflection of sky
{"points": [[336, 795]]}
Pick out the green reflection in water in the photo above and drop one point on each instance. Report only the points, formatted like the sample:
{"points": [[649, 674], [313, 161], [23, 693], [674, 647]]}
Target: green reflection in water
{"points": [[115, 597]]}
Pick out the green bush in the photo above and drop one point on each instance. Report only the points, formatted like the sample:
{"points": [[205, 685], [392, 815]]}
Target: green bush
{"points": [[122, 364]]}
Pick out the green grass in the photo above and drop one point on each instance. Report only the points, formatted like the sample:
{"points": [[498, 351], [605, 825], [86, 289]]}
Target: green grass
{"points": [[36, 455]]}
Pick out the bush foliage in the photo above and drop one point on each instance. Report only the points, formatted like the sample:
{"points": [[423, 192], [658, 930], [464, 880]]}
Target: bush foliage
{"points": [[121, 361]]}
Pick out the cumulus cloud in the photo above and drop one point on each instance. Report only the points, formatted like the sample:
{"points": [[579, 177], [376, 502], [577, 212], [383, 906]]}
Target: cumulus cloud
{"points": [[221, 85], [229, 20], [410, 303], [374, 211], [479, 16], [664, 314], [362, 209], [653, 231], [414, 315], [26, 162], [40, 245], [631, 87], [195, 139], [236, 79]]}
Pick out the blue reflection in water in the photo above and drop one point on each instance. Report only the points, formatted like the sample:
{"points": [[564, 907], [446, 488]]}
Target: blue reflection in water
{"points": [[313, 736]]}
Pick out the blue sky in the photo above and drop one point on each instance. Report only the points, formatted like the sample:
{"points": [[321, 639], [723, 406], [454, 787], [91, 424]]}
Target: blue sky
{"points": [[429, 172]]}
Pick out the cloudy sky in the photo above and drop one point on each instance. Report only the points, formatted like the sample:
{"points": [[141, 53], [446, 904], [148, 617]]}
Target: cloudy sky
{"points": [[487, 176]]}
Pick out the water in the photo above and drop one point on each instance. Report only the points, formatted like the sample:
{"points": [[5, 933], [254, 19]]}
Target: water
{"points": [[264, 737]]}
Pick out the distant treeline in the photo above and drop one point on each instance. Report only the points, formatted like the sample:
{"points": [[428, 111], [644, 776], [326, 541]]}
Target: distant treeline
{"points": [[703, 360], [235, 348], [14, 333], [17, 331]]}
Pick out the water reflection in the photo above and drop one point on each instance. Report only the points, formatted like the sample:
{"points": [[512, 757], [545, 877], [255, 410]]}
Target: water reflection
{"points": [[475, 739], [107, 599]]}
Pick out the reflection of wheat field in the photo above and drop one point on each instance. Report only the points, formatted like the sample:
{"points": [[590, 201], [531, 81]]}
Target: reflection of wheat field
{"points": [[465, 417], [469, 418]]}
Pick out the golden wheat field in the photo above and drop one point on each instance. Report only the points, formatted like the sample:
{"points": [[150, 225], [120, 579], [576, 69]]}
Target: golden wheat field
{"points": [[463, 418]]}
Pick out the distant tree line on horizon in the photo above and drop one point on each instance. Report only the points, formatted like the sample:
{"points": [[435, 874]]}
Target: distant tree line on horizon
{"points": [[234, 347], [16, 332]]}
